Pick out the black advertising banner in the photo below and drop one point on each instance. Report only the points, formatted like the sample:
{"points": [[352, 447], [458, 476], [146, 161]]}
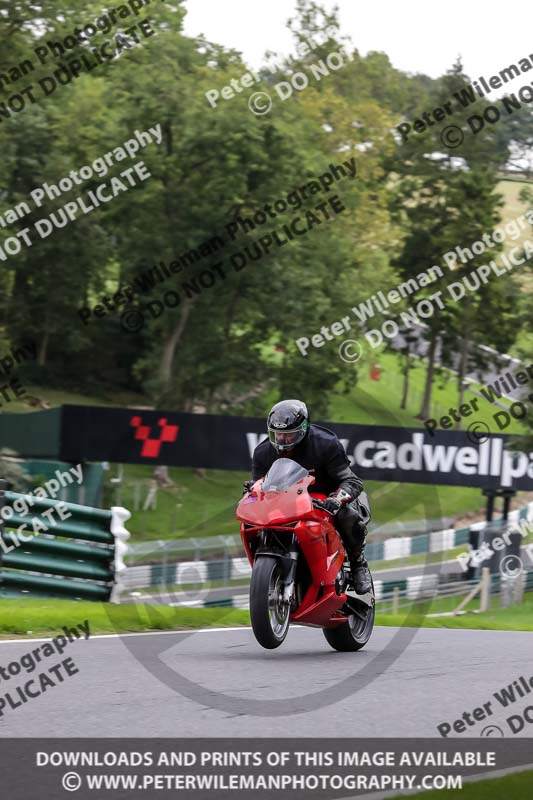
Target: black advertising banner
{"points": [[408, 455]]}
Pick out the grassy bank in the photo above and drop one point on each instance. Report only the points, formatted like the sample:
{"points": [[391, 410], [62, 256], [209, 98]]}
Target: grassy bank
{"points": [[204, 504]]}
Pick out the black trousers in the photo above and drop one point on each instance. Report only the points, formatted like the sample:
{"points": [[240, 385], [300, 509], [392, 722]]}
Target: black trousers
{"points": [[351, 522]]}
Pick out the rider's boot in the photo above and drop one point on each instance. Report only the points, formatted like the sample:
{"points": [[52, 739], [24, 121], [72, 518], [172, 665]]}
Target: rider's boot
{"points": [[360, 573]]}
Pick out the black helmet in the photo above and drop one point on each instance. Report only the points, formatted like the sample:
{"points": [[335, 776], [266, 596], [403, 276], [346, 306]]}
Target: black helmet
{"points": [[288, 423]]}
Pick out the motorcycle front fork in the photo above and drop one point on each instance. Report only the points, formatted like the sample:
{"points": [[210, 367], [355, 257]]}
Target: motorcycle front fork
{"points": [[289, 578], [289, 563]]}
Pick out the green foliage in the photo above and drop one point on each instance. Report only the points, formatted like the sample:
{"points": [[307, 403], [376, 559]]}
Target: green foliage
{"points": [[209, 352]]}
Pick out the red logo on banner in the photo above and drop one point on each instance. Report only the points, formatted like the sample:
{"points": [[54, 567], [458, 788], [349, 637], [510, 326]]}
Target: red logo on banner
{"points": [[151, 447]]}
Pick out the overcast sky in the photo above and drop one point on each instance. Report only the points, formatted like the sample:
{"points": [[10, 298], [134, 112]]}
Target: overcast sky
{"points": [[417, 35]]}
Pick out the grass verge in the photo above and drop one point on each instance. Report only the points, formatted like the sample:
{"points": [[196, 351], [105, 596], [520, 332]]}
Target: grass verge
{"points": [[27, 618], [518, 786], [516, 618]]}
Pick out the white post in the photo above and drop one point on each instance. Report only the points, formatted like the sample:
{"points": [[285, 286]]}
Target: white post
{"points": [[520, 588], [485, 589], [119, 516], [396, 600], [505, 591]]}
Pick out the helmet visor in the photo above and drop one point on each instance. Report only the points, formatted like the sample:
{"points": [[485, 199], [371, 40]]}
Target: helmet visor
{"points": [[286, 440]]}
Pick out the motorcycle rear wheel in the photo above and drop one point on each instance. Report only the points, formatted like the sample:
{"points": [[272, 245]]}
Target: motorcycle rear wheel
{"points": [[353, 634], [269, 615]]}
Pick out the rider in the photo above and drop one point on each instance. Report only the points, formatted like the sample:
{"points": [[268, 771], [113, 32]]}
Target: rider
{"points": [[316, 448]]}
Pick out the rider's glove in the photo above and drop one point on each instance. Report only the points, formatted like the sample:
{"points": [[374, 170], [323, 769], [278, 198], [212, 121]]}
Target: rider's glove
{"points": [[248, 486], [337, 500]]}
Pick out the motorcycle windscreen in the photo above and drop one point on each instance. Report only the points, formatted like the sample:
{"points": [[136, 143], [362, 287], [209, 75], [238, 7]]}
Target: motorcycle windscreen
{"points": [[283, 496], [283, 474]]}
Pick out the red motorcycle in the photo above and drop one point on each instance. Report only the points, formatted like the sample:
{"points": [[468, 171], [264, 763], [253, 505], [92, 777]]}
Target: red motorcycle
{"points": [[300, 572]]}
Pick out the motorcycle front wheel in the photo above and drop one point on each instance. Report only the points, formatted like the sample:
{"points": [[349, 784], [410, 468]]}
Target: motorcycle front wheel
{"points": [[268, 613]]}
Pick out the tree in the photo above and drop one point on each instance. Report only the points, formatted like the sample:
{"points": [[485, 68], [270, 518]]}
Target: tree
{"points": [[448, 201]]}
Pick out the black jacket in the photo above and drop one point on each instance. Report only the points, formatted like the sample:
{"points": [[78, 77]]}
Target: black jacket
{"points": [[320, 451]]}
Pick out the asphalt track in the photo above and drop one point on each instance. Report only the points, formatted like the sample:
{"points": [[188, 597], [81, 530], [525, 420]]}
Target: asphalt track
{"points": [[404, 683]]}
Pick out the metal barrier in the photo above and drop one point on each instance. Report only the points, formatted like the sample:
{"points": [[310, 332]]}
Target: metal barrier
{"points": [[392, 596], [198, 547], [80, 557], [406, 591], [217, 558]]}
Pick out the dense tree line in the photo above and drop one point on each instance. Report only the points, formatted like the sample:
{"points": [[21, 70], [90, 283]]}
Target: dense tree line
{"points": [[228, 346]]}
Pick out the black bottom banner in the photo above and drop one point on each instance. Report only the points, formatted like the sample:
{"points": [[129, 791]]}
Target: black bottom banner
{"points": [[259, 768]]}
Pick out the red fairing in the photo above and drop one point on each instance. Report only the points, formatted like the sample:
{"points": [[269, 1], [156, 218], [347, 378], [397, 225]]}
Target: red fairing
{"points": [[275, 508], [321, 545]]}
